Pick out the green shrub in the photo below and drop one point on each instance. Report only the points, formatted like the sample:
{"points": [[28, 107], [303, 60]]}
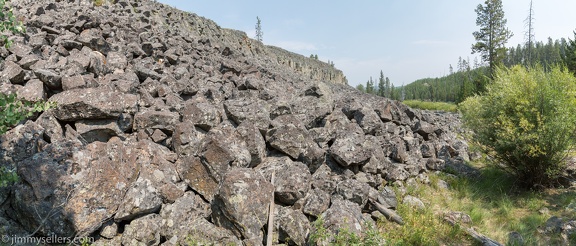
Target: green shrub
{"points": [[13, 110], [8, 23], [527, 121], [441, 106]]}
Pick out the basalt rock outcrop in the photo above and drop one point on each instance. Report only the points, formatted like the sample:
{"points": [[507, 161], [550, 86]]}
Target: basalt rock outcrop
{"points": [[168, 128]]}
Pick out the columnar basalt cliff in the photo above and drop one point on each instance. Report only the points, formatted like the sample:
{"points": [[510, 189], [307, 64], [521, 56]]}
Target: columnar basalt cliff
{"points": [[168, 127]]}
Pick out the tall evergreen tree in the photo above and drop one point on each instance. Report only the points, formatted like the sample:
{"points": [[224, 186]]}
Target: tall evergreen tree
{"points": [[388, 87], [259, 32], [370, 86], [493, 33], [361, 88], [570, 56], [381, 85], [529, 22]]}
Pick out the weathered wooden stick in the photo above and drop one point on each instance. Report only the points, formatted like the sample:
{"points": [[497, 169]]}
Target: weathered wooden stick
{"points": [[271, 214], [484, 240], [389, 213]]}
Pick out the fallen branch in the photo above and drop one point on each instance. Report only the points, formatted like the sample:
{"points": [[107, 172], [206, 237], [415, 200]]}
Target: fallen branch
{"points": [[389, 213], [481, 238]]}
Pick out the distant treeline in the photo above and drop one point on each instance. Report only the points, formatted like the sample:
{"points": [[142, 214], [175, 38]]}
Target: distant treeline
{"points": [[466, 79]]}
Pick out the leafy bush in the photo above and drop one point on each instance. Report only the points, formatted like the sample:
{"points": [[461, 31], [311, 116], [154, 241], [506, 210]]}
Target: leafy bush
{"points": [[8, 23], [13, 110], [441, 106], [527, 121]]}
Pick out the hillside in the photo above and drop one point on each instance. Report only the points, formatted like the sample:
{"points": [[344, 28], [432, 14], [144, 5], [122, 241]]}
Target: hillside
{"points": [[168, 130]]}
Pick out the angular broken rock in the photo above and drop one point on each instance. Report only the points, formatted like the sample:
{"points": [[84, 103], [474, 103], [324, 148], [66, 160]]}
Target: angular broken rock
{"points": [[254, 141], [344, 215], [13, 72], [143, 231], [241, 109], [203, 115], [197, 176], [241, 204], [292, 178], [51, 79], [156, 120], [222, 149], [97, 130], [92, 103], [178, 217], [354, 191], [297, 143], [293, 226], [317, 201], [141, 199], [33, 91], [350, 150]]}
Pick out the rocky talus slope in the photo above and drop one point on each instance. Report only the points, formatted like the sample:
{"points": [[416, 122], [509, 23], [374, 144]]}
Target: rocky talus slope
{"points": [[168, 127]]}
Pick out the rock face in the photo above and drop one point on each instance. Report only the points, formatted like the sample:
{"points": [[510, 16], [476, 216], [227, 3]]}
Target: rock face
{"points": [[168, 129]]}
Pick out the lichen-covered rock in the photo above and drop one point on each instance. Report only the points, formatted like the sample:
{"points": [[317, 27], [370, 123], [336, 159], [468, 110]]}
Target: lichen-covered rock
{"points": [[180, 217], [197, 176], [156, 120], [254, 141], [297, 143], [244, 108], [92, 103], [292, 178], [141, 199], [241, 204], [350, 150], [143, 231], [223, 149], [293, 226], [203, 115], [344, 214], [317, 201], [354, 191]]}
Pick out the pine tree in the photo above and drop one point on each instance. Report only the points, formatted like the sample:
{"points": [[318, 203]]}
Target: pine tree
{"points": [[370, 86], [570, 57], [361, 88], [529, 22], [493, 33], [381, 85], [387, 84], [259, 32]]}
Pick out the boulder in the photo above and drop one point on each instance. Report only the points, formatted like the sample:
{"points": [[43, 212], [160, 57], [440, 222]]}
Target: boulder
{"points": [[92, 103], [241, 109], [317, 201], [13, 72], [223, 149], [241, 204], [156, 120], [297, 143], [202, 115], [350, 150], [293, 226], [354, 191], [197, 176], [292, 178], [344, 215], [143, 231]]}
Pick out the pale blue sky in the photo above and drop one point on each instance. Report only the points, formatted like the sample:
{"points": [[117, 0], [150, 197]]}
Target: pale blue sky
{"points": [[406, 39]]}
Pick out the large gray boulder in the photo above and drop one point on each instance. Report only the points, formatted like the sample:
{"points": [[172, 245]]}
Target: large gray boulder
{"points": [[292, 179], [92, 103], [241, 204]]}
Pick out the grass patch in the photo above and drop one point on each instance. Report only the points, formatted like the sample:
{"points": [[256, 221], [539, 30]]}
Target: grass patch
{"points": [[441, 106]]}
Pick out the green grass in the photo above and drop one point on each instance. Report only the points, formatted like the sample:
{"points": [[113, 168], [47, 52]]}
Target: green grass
{"points": [[441, 106]]}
